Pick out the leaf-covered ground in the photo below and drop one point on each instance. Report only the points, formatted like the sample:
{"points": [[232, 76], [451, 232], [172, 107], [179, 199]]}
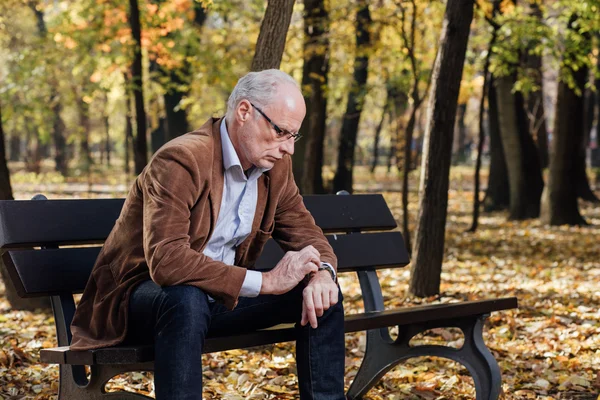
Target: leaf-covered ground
{"points": [[547, 349]]}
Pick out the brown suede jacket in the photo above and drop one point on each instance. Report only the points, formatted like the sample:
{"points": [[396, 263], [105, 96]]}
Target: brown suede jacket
{"points": [[167, 219]]}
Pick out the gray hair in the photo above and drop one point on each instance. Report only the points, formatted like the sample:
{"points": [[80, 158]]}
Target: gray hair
{"points": [[260, 88]]}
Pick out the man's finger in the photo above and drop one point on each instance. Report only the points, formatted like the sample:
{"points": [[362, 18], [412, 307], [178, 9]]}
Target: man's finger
{"points": [[309, 267], [310, 309], [325, 300], [313, 250], [311, 253], [318, 301], [333, 296], [304, 319], [310, 257]]}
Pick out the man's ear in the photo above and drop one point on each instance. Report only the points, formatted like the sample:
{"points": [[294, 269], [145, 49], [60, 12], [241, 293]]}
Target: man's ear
{"points": [[243, 110]]}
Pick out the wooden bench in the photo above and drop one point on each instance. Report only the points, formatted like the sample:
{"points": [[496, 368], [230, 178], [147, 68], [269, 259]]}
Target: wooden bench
{"points": [[37, 239]]}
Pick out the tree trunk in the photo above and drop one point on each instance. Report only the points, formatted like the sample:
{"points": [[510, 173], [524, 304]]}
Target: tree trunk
{"points": [[584, 191], [535, 100], [140, 148], [60, 143], [314, 81], [497, 194], [128, 128], [524, 171], [273, 31], [398, 106], [33, 159], [85, 155], [408, 141], [176, 116], [461, 130], [58, 125], [377, 138], [5, 188], [356, 98], [560, 196], [395, 128], [178, 88], [15, 147], [107, 139], [428, 250]]}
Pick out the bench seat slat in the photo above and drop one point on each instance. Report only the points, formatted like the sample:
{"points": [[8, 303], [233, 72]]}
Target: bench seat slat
{"points": [[90, 221], [52, 271], [284, 333]]}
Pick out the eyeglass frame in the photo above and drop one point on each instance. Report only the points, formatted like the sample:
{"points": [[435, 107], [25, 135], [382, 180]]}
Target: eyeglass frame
{"points": [[297, 136]]}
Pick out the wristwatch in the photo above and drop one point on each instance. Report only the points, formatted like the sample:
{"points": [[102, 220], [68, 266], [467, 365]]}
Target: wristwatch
{"points": [[328, 267]]}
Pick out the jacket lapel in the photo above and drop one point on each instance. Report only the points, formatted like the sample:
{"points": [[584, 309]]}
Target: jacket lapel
{"points": [[261, 201], [218, 175]]}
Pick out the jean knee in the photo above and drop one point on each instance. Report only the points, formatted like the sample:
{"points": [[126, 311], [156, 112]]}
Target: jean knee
{"points": [[189, 305]]}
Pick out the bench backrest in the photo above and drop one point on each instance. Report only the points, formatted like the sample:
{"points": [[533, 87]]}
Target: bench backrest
{"points": [[38, 238]]}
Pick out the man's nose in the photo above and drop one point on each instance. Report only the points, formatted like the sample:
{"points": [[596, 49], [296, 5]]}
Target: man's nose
{"points": [[287, 147]]}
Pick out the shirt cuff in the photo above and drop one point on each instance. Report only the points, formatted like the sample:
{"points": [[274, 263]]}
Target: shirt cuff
{"points": [[252, 284], [333, 269]]}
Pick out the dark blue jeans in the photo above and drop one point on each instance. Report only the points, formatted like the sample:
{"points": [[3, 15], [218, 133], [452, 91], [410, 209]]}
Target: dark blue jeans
{"points": [[177, 319]]}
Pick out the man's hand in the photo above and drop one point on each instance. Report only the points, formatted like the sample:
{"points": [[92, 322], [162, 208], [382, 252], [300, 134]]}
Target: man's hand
{"points": [[292, 268], [320, 294]]}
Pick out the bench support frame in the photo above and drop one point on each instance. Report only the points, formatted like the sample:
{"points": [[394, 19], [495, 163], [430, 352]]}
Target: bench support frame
{"points": [[383, 353]]}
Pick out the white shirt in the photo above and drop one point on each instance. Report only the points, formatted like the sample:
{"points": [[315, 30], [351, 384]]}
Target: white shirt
{"points": [[238, 207]]}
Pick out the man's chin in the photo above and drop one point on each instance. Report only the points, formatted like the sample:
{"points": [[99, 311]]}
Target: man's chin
{"points": [[268, 163]]}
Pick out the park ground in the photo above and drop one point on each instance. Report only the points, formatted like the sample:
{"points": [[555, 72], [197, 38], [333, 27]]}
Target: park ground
{"points": [[547, 349]]}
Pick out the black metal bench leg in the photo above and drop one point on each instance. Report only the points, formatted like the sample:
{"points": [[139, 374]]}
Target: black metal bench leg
{"points": [[75, 386], [382, 355], [480, 362]]}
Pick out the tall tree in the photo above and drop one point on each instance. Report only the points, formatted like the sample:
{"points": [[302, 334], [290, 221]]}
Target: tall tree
{"points": [[14, 144], [497, 194], [356, 98], [398, 106], [461, 132], [535, 100], [376, 140], [584, 191], [428, 249], [560, 196], [273, 31], [140, 148], [83, 109], [176, 80], [5, 188], [58, 125], [128, 137], [522, 161], [314, 84]]}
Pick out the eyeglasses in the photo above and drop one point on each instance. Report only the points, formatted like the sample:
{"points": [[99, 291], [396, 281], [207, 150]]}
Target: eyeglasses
{"points": [[281, 133]]}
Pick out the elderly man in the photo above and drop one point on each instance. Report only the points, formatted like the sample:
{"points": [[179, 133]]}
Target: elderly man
{"points": [[178, 263]]}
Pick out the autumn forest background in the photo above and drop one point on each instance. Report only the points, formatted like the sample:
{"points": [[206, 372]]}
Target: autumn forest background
{"points": [[477, 119]]}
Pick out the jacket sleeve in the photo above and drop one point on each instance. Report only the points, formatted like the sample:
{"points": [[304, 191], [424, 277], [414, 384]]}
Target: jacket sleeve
{"points": [[171, 187], [295, 228]]}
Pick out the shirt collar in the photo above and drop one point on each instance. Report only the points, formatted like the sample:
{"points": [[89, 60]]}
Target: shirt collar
{"points": [[230, 156]]}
